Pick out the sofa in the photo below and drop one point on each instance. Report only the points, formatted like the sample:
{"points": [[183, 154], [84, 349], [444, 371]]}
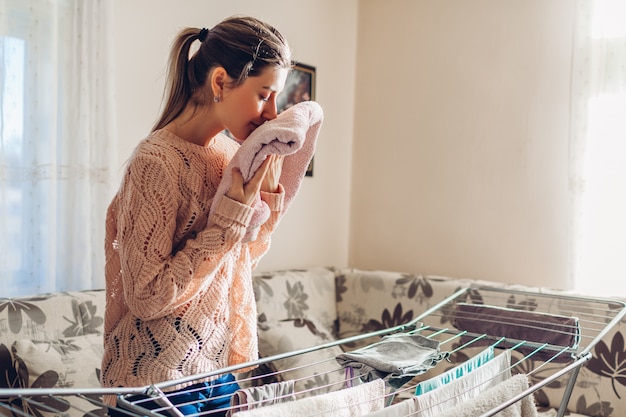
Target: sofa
{"points": [[55, 340]]}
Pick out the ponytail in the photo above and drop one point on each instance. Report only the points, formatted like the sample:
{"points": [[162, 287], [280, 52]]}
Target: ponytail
{"points": [[179, 86]]}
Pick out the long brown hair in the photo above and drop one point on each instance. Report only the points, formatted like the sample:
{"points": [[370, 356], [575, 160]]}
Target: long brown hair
{"points": [[243, 45]]}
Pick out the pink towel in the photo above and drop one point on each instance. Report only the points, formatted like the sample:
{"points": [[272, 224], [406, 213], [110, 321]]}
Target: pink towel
{"points": [[293, 134]]}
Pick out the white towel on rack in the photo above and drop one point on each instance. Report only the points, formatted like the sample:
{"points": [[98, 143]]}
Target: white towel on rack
{"points": [[495, 396], [349, 402], [402, 409], [435, 402], [466, 387], [262, 396]]}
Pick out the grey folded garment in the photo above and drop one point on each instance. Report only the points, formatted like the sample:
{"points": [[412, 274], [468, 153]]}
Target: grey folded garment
{"points": [[395, 358], [268, 394], [521, 325]]}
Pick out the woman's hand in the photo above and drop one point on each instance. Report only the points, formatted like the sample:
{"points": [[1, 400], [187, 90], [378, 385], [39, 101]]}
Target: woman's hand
{"points": [[272, 176], [265, 178]]}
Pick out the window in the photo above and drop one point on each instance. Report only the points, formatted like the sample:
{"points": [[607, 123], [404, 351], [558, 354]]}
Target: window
{"points": [[55, 115], [600, 73], [12, 123]]}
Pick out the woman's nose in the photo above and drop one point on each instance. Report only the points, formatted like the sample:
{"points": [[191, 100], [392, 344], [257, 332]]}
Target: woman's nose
{"points": [[270, 110]]}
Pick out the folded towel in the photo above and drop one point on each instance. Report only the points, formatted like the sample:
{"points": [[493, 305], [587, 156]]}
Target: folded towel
{"points": [[494, 397], [396, 358], [292, 134], [349, 402], [520, 325], [261, 396]]}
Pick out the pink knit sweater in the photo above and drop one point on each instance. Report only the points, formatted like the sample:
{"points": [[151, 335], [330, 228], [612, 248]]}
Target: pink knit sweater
{"points": [[178, 280]]}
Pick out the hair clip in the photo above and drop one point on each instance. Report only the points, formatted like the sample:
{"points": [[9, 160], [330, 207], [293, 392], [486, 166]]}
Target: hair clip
{"points": [[255, 55], [203, 34]]}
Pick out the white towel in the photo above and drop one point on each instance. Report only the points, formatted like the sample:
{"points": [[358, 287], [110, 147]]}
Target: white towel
{"points": [[264, 395], [349, 402], [402, 409], [495, 396], [435, 402], [464, 388]]}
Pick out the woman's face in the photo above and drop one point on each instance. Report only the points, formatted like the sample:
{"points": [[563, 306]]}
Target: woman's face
{"points": [[246, 107]]}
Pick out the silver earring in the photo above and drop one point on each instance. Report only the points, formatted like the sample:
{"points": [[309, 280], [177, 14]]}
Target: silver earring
{"points": [[217, 98]]}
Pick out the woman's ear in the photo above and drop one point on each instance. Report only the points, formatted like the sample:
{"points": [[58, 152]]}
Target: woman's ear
{"points": [[218, 81]]}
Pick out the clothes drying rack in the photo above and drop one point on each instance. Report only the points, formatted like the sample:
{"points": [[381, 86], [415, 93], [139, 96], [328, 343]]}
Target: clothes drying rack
{"points": [[594, 319]]}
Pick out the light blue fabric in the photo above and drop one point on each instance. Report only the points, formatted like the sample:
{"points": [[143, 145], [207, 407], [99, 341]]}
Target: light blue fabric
{"points": [[456, 372]]}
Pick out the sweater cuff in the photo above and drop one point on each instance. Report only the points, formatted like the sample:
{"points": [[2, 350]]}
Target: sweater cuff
{"points": [[230, 209], [275, 201]]}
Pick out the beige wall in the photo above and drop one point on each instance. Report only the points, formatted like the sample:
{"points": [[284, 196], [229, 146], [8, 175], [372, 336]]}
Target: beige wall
{"points": [[461, 138], [322, 33], [449, 154]]}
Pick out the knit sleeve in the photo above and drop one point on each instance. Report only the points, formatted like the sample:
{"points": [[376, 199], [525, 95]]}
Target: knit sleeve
{"points": [[156, 278], [261, 244]]}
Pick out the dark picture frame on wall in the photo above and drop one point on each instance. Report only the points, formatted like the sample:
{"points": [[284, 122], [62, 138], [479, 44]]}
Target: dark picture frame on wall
{"points": [[299, 87]]}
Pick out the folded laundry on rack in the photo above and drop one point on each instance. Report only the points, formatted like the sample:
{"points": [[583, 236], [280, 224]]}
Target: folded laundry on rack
{"points": [[395, 358], [261, 396], [456, 372], [521, 326], [349, 402], [495, 396], [466, 387]]}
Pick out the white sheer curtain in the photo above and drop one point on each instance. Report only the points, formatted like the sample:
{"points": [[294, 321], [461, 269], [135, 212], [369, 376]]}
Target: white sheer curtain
{"points": [[56, 136], [598, 152]]}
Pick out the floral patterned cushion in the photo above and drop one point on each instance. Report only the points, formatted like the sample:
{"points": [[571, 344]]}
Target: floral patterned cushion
{"points": [[297, 294], [369, 300], [91, 305], [44, 317], [315, 372], [72, 362], [49, 316], [297, 310]]}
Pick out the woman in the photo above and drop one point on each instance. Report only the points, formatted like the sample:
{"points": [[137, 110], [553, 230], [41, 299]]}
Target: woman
{"points": [[173, 265]]}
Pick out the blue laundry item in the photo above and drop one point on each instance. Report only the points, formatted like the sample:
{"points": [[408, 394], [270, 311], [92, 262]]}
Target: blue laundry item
{"points": [[202, 397], [466, 367], [395, 358]]}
